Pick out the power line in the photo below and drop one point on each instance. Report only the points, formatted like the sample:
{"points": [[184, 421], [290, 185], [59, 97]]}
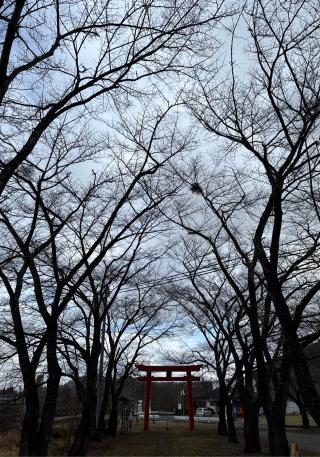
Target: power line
{"points": [[173, 278]]}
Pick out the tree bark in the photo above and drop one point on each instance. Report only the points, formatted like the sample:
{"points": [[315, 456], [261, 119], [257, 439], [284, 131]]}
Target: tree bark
{"points": [[289, 326], [87, 425], [309, 394], [113, 419], [274, 409], [303, 411], [251, 421], [49, 408], [232, 432], [222, 425], [304, 416], [101, 430], [251, 429], [277, 436], [278, 443], [30, 423], [29, 430]]}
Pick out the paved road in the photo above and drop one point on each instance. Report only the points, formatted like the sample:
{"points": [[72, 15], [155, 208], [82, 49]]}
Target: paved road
{"points": [[203, 419], [308, 440], [172, 417]]}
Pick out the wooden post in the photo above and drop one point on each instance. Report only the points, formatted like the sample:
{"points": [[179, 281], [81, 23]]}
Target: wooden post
{"points": [[147, 402], [190, 402]]}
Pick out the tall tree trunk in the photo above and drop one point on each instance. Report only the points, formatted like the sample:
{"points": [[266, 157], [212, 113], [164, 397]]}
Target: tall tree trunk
{"points": [[278, 443], [101, 430], [232, 432], [87, 425], [113, 418], [299, 363], [251, 429], [29, 429], [49, 408], [222, 425], [308, 392], [251, 420], [294, 349], [304, 415], [30, 423], [277, 436]]}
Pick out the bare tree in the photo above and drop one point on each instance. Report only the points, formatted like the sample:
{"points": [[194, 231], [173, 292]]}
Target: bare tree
{"points": [[213, 217], [267, 122], [222, 319], [144, 320], [134, 320], [58, 57], [81, 326], [58, 231]]}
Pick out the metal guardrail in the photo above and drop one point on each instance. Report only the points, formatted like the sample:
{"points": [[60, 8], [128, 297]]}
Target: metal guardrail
{"points": [[164, 417]]}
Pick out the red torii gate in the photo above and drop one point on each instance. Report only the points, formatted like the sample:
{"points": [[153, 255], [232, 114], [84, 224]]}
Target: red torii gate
{"points": [[168, 369]]}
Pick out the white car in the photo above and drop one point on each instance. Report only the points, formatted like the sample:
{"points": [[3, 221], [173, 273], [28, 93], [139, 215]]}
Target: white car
{"points": [[205, 412]]}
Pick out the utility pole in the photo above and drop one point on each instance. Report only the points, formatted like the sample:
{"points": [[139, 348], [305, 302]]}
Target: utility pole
{"points": [[103, 337]]}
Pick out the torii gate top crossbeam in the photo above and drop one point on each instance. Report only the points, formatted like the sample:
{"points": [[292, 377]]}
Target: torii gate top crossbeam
{"points": [[169, 378], [166, 368]]}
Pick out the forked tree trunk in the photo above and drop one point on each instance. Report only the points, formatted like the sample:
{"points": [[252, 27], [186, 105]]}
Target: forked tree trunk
{"points": [[49, 408], [278, 443], [30, 423], [294, 349], [101, 430], [307, 390], [87, 426]]}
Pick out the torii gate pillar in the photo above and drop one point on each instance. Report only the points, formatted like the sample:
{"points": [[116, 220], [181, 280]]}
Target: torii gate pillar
{"points": [[168, 369], [190, 402], [147, 402]]}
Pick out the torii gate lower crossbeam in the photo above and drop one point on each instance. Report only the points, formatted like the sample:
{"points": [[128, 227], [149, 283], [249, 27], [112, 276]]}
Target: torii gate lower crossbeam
{"points": [[168, 369]]}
